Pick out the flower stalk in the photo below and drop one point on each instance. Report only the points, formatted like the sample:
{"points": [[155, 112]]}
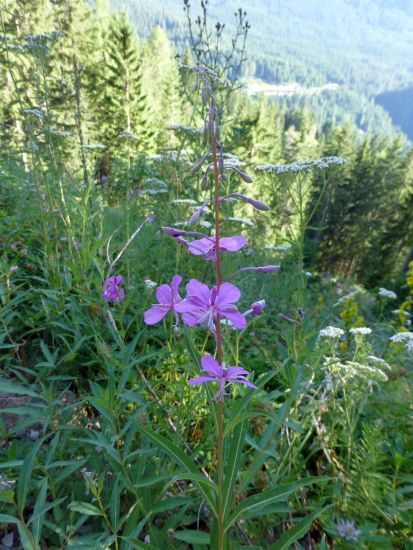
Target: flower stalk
{"points": [[220, 438]]}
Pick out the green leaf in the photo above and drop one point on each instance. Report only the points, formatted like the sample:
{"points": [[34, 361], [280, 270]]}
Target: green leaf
{"points": [[197, 360], [233, 462], [84, 508], [5, 518], [192, 537], [25, 474], [38, 512], [182, 459], [268, 497], [297, 532], [230, 425], [139, 544], [115, 506], [11, 387], [194, 477], [170, 503]]}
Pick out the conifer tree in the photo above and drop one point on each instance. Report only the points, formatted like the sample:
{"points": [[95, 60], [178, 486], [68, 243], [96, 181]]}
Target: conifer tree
{"points": [[123, 111]]}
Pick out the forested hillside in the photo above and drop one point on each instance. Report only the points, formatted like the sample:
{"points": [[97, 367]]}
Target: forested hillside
{"points": [[206, 296], [365, 46]]}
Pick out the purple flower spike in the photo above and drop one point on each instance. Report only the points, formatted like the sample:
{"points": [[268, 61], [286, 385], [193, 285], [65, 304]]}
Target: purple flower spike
{"points": [[168, 298], [213, 372], [259, 205], [202, 305], [206, 247], [111, 289], [258, 307]]}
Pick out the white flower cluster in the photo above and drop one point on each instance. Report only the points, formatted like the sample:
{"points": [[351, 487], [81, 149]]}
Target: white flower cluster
{"points": [[378, 361], [282, 247], [354, 373], [42, 38], [184, 201], [153, 191], [180, 128], [405, 338], [300, 165], [331, 332], [34, 112], [95, 147], [387, 293], [360, 330], [149, 283], [128, 135]]}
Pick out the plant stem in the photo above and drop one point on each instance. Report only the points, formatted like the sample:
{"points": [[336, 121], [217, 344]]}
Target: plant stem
{"points": [[212, 121]]}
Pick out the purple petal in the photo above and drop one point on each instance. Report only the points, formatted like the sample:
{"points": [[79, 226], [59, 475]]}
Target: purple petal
{"points": [[236, 318], [209, 365], [164, 294], [185, 306], [176, 281], [190, 319], [227, 294], [232, 244], [114, 280], [198, 290], [155, 314], [244, 382], [201, 247], [258, 307], [235, 371], [201, 379]]}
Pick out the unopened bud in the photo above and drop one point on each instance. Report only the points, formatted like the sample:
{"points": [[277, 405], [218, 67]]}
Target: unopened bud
{"points": [[196, 167], [258, 307], [285, 318]]}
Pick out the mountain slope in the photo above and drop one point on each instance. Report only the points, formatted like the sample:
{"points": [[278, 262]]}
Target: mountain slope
{"points": [[363, 45]]}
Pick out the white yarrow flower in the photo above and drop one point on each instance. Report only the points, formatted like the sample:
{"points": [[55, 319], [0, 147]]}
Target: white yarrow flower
{"points": [[360, 330], [331, 332], [385, 293]]}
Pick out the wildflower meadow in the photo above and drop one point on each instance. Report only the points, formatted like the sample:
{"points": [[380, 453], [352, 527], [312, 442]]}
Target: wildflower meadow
{"points": [[206, 301]]}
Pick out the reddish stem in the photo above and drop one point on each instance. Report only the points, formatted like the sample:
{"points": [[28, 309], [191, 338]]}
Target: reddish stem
{"points": [[212, 121]]}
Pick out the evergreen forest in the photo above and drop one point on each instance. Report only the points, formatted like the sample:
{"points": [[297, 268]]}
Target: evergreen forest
{"points": [[206, 295]]}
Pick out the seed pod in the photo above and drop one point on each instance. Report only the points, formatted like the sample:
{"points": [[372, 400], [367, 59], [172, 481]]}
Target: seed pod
{"points": [[218, 133]]}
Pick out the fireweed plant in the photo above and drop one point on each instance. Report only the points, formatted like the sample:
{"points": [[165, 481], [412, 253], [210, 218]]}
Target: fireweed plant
{"points": [[215, 310]]}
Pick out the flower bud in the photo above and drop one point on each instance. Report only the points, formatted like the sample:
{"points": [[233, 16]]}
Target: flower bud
{"points": [[285, 318], [196, 167], [258, 307], [259, 205]]}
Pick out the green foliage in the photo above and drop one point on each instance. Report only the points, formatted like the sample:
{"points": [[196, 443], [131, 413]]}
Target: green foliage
{"points": [[104, 444]]}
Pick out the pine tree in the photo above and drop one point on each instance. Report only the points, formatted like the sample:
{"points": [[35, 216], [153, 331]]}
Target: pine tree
{"points": [[123, 111], [162, 83]]}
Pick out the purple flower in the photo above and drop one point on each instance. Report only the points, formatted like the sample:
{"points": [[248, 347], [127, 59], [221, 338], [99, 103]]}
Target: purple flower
{"points": [[206, 247], [258, 307], [347, 529], [168, 298], [202, 305], [111, 289], [213, 372]]}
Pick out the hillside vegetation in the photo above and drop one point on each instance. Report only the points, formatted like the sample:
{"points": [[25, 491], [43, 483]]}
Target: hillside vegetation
{"points": [[206, 300]]}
